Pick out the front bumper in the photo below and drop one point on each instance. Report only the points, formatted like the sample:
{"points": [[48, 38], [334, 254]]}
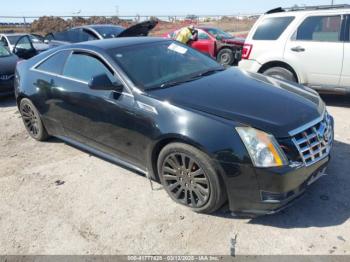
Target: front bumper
{"points": [[260, 191], [250, 65], [275, 189]]}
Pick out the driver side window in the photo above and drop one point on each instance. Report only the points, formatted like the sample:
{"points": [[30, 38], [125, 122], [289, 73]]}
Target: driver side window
{"points": [[84, 67], [87, 35], [24, 43], [202, 36]]}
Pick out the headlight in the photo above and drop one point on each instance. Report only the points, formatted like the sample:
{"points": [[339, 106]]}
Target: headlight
{"points": [[262, 147]]}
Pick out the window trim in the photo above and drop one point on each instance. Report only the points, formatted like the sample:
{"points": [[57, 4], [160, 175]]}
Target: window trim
{"points": [[346, 26], [93, 32], [86, 54], [116, 73], [43, 61], [341, 36]]}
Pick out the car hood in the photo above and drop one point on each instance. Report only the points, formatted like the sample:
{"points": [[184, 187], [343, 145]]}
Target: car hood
{"points": [[234, 41], [140, 29], [268, 104], [8, 64]]}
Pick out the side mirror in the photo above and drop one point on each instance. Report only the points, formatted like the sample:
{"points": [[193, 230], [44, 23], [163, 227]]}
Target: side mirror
{"points": [[46, 41], [218, 37], [102, 82]]}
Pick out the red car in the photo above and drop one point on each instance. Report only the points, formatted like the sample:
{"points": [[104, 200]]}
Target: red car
{"points": [[222, 46]]}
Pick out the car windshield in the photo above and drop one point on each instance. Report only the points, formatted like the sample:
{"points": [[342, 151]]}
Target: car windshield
{"points": [[217, 32], [4, 51], [163, 64], [109, 31]]}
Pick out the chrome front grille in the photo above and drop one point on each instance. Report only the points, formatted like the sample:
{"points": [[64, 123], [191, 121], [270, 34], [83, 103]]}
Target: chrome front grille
{"points": [[315, 142]]}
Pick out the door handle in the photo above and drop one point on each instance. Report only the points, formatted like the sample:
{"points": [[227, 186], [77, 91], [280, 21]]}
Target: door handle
{"points": [[298, 49]]}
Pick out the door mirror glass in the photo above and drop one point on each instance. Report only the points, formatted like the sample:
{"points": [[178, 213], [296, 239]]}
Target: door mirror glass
{"points": [[103, 82]]}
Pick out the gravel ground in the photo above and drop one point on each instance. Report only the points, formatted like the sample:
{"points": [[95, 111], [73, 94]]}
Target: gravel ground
{"points": [[55, 199]]}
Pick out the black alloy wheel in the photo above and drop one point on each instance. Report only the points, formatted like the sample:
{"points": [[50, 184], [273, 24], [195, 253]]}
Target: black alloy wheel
{"points": [[189, 177], [186, 180], [32, 121]]}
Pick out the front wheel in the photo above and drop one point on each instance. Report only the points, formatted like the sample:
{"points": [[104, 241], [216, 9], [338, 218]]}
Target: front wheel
{"points": [[190, 179], [226, 57], [32, 121]]}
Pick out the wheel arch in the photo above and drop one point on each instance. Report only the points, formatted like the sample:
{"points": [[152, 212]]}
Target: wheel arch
{"points": [[19, 97], [224, 46], [277, 63], [161, 143]]}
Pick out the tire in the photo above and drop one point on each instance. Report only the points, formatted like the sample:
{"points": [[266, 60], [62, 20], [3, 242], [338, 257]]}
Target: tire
{"points": [[32, 121], [280, 73], [226, 57], [194, 184]]}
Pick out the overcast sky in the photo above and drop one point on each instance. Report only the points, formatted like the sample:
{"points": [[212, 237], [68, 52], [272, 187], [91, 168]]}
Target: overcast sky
{"points": [[143, 7]]}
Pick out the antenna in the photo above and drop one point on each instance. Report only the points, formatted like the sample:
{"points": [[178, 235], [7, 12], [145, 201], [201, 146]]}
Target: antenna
{"points": [[117, 10]]}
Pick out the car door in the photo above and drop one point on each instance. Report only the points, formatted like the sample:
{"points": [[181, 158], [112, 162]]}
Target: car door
{"points": [[345, 76], [316, 50], [204, 43], [24, 48], [101, 119], [140, 29], [48, 84]]}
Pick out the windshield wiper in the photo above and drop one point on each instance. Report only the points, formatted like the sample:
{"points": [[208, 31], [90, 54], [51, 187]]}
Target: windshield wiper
{"points": [[210, 71], [174, 83], [189, 79]]}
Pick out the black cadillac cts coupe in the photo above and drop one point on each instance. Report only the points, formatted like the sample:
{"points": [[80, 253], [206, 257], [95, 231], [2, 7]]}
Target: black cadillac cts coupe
{"points": [[209, 134]]}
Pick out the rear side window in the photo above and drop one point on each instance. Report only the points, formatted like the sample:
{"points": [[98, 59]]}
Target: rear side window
{"points": [[55, 63], [272, 28], [320, 28], [83, 67]]}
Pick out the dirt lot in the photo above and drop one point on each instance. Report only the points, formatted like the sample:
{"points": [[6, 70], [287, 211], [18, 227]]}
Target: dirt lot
{"points": [[55, 199]]}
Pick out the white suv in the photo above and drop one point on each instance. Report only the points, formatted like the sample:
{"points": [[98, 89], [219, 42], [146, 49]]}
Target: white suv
{"points": [[308, 45]]}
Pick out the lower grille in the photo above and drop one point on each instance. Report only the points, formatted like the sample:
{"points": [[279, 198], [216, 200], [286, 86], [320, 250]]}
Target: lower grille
{"points": [[4, 77], [315, 143]]}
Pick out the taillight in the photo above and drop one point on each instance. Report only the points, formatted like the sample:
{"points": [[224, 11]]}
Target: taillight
{"points": [[247, 49]]}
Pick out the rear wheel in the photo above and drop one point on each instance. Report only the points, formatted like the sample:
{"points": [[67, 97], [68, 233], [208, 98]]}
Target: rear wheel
{"points": [[32, 121], [189, 178], [226, 57], [281, 73]]}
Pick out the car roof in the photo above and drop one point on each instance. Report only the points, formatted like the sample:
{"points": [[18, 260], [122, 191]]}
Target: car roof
{"points": [[307, 10], [107, 44], [14, 34], [97, 26]]}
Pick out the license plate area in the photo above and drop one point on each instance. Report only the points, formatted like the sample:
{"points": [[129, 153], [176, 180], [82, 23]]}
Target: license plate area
{"points": [[317, 175]]}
